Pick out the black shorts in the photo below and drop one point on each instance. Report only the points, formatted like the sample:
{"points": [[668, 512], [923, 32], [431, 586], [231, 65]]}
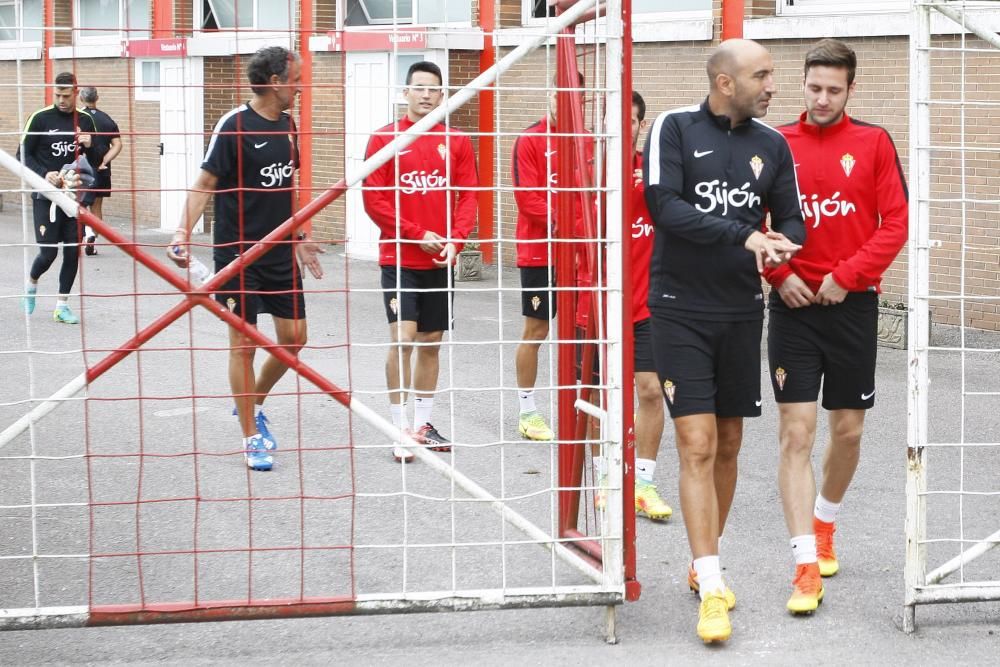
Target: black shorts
{"points": [[708, 367], [63, 230], [423, 297], [833, 344], [538, 299], [275, 289], [102, 183], [642, 354]]}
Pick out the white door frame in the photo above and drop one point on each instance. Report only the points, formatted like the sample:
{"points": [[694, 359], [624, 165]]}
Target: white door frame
{"points": [[370, 104], [182, 135]]}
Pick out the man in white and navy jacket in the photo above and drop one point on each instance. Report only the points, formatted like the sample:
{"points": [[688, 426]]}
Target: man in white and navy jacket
{"points": [[713, 172]]}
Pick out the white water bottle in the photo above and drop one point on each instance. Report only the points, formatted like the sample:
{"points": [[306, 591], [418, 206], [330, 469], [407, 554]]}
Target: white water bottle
{"points": [[200, 273]]}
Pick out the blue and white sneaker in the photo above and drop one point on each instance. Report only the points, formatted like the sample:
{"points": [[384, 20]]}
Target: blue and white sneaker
{"points": [[28, 300], [262, 421], [257, 454]]}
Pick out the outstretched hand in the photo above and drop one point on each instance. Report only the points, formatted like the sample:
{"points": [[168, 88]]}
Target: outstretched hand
{"points": [[308, 253], [771, 249]]}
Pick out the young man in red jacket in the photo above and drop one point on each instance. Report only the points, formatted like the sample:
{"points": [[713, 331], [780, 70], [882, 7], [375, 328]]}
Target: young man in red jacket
{"points": [[649, 415], [424, 203], [824, 305], [534, 168]]}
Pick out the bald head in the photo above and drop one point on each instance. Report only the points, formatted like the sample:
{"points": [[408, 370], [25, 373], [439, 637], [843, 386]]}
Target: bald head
{"points": [[741, 77], [730, 56]]}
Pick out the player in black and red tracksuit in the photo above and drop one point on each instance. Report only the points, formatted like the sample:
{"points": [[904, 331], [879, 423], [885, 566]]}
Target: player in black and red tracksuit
{"points": [[711, 173], [535, 173], [824, 308], [424, 203], [250, 167], [55, 137]]}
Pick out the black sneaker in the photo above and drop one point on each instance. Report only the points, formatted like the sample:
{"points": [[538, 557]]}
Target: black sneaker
{"points": [[428, 435], [88, 247]]}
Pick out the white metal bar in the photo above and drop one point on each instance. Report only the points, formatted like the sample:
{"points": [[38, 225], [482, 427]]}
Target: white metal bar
{"points": [[973, 592], [69, 390], [969, 21], [966, 557], [918, 285], [39, 184], [473, 489]]}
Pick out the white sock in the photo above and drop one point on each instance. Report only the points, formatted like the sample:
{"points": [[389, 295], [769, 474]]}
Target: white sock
{"points": [[31, 288], [709, 572], [527, 400], [422, 410], [644, 469], [62, 301], [824, 510], [600, 466], [804, 549], [398, 412]]}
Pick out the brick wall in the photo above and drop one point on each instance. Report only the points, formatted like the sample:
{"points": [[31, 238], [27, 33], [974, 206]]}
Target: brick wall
{"points": [[881, 98]]}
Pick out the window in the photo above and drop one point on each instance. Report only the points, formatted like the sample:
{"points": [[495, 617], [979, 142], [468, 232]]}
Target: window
{"points": [[539, 7], [147, 80], [250, 14], [112, 19], [424, 12], [30, 16], [840, 6]]}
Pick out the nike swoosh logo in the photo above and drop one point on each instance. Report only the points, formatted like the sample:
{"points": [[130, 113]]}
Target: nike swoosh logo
{"points": [[260, 145], [865, 397], [403, 152], [702, 153], [757, 403], [53, 131], [549, 153]]}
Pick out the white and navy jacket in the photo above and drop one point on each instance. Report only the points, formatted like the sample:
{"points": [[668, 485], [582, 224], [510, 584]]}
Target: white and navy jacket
{"points": [[708, 187]]}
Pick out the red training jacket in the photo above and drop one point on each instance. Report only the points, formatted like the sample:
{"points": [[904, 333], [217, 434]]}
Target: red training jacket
{"points": [[854, 203], [534, 165], [436, 174], [640, 244]]}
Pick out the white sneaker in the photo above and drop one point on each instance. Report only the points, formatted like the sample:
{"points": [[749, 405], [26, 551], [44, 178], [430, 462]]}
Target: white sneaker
{"points": [[402, 455]]}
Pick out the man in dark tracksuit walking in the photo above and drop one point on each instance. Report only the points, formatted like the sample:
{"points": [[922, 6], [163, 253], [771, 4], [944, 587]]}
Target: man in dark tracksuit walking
{"points": [[54, 137], [712, 173]]}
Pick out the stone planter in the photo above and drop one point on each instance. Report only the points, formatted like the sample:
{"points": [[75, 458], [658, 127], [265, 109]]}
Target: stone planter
{"points": [[892, 325], [469, 265]]}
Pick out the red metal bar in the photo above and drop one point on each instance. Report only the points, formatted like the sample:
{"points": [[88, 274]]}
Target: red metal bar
{"points": [[202, 296], [305, 135], [487, 142], [632, 586], [236, 610], [732, 18], [586, 545], [163, 19], [566, 77]]}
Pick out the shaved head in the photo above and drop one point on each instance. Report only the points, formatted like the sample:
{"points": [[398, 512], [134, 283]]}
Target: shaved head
{"points": [[740, 75], [730, 56]]}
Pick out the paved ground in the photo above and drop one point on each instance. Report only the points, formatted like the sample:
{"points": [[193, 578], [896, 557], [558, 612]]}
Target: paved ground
{"points": [[859, 622]]}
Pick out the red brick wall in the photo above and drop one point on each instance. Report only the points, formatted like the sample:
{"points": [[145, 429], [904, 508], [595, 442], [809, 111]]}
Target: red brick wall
{"points": [[881, 98]]}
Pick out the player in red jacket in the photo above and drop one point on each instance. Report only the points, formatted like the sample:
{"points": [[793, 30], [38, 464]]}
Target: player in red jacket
{"points": [[649, 417], [824, 308], [534, 169], [424, 203]]}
